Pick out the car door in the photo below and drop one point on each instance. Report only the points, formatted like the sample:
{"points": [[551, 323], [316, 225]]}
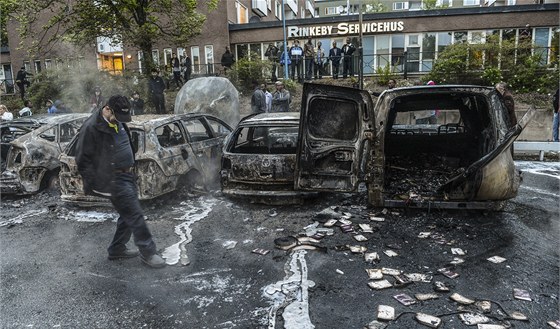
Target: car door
{"points": [[205, 146], [335, 124]]}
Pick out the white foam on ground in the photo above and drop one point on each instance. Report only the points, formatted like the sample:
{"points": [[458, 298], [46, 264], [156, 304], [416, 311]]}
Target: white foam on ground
{"points": [[193, 211], [540, 191], [291, 294], [19, 219], [550, 169], [89, 216]]}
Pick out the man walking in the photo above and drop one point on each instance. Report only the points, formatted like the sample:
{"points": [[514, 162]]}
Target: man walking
{"points": [[105, 159], [22, 82], [281, 98], [156, 85], [348, 52], [334, 56]]}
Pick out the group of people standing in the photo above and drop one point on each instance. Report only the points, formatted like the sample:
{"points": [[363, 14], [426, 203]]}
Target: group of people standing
{"points": [[262, 101], [313, 59]]}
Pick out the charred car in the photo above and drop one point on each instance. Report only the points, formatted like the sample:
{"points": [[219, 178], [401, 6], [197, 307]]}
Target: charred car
{"points": [[30, 150], [170, 151], [427, 146], [260, 157]]}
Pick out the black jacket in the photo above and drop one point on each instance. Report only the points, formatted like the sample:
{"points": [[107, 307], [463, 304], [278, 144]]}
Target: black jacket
{"points": [[555, 101], [96, 142], [156, 86]]}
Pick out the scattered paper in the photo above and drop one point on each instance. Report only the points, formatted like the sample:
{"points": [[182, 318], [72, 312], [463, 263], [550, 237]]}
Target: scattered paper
{"points": [[419, 277], [521, 294], [471, 319], [339, 271], [496, 259], [376, 219], [484, 305], [427, 296], [360, 238], [448, 273], [330, 223], [461, 299], [440, 286], [518, 316], [357, 249], [424, 235], [380, 284], [554, 324], [390, 271], [458, 251], [405, 299], [370, 257], [386, 313], [390, 253], [260, 251], [428, 320], [374, 273], [366, 228]]}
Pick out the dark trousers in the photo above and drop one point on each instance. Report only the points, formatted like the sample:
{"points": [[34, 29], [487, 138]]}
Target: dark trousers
{"points": [[296, 65], [347, 69], [159, 103], [308, 68], [124, 197], [21, 87], [335, 68], [187, 75], [274, 76], [177, 79], [318, 70]]}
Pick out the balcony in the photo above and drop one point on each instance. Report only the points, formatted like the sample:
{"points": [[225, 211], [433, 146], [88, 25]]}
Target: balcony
{"points": [[259, 7]]}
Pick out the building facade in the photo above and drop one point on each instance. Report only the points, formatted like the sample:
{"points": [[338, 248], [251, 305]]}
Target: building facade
{"points": [[248, 26]]}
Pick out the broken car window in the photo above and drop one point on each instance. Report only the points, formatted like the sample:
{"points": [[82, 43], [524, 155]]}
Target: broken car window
{"points": [[266, 140], [326, 115], [170, 135], [197, 130], [218, 128]]}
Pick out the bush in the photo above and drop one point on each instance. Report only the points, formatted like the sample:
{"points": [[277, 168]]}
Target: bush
{"points": [[384, 74], [246, 70]]}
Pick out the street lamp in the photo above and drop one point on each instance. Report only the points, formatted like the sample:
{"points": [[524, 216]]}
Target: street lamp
{"points": [[285, 43]]}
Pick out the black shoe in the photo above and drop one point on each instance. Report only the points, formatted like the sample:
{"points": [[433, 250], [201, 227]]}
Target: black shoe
{"points": [[127, 253], [153, 261]]}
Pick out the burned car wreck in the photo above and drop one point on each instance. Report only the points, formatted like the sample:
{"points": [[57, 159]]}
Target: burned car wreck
{"points": [[30, 150], [427, 146], [171, 151]]}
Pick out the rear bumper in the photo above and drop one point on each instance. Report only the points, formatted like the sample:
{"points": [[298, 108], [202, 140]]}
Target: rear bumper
{"points": [[10, 183], [460, 205]]}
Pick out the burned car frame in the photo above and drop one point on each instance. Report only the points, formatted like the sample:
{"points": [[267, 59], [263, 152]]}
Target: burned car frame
{"points": [[170, 151], [30, 150], [427, 146]]}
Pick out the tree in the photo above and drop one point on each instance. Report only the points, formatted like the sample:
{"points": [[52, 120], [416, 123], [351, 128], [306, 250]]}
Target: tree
{"points": [[134, 23]]}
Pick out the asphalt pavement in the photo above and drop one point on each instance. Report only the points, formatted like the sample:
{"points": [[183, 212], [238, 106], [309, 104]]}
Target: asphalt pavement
{"points": [[225, 270]]}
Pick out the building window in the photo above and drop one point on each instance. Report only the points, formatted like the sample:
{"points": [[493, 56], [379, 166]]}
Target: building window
{"points": [[460, 37], [471, 2], [444, 40], [209, 54], [511, 2], [37, 66], [401, 5], [27, 66], [140, 61], [155, 57], [242, 13], [167, 52], [332, 10], [278, 10], [48, 64], [444, 3], [195, 56]]}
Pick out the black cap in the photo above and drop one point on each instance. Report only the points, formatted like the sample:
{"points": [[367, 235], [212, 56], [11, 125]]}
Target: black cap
{"points": [[121, 108]]}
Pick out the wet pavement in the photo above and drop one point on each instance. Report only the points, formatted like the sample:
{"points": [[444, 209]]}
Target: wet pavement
{"points": [[225, 272]]}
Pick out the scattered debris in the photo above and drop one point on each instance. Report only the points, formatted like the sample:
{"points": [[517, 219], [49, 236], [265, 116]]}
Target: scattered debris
{"points": [[229, 244], [418, 277], [374, 273], [401, 280], [428, 296], [370, 257], [390, 271], [330, 223], [357, 249], [484, 305], [448, 273], [471, 319], [456, 261], [375, 325], [424, 235], [461, 299], [496, 259], [554, 324], [521, 294], [390, 253], [285, 243], [376, 219], [272, 212], [360, 238], [386, 313], [339, 271], [344, 221], [440, 286], [394, 246], [366, 228], [405, 299], [380, 284], [347, 228], [260, 251], [428, 320], [490, 326], [518, 316], [458, 251]]}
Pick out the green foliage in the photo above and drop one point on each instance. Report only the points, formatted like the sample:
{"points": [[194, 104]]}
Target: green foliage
{"points": [[291, 85], [12, 102], [492, 75], [384, 74], [249, 69], [135, 23], [374, 6], [76, 88]]}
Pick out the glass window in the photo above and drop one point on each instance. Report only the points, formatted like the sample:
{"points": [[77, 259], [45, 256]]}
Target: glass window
{"points": [[242, 13], [170, 135], [209, 55], [382, 50], [242, 50], [167, 52], [255, 49], [400, 5], [471, 2], [428, 51], [218, 128], [397, 50], [444, 40], [195, 59], [541, 44], [140, 56], [266, 140], [369, 50], [460, 37], [49, 134], [155, 56], [197, 130], [278, 10], [27, 66], [48, 64], [69, 129], [333, 119]]}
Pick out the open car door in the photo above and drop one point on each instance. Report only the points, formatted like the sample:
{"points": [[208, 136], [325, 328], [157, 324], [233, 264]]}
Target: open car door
{"points": [[334, 126]]}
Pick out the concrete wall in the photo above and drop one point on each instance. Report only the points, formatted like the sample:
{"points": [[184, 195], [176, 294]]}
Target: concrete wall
{"points": [[539, 129]]}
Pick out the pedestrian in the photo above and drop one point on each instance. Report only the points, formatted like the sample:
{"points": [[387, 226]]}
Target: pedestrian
{"points": [[26, 110], [176, 69], [319, 61], [105, 159], [5, 115], [227, 60], [272, 54], [555, 119], [258, 100], [348, 51], [507, 98], [22, 82], [136, 104], [296, 55], [96, 100], [391, 84], [49, 104], [60, 107], [187, 67], [281, 98], [267, 96], [156, 86], [309, 55], [334, 56]]}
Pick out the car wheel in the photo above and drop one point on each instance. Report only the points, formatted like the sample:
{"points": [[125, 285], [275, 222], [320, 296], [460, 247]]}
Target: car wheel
{"points": [[51, 181], [194, 183]]}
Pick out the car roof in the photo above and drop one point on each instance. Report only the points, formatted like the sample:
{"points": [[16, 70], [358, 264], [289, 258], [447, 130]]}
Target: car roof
{"points": [[272, 118], [156, 119], [42, 119]]}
